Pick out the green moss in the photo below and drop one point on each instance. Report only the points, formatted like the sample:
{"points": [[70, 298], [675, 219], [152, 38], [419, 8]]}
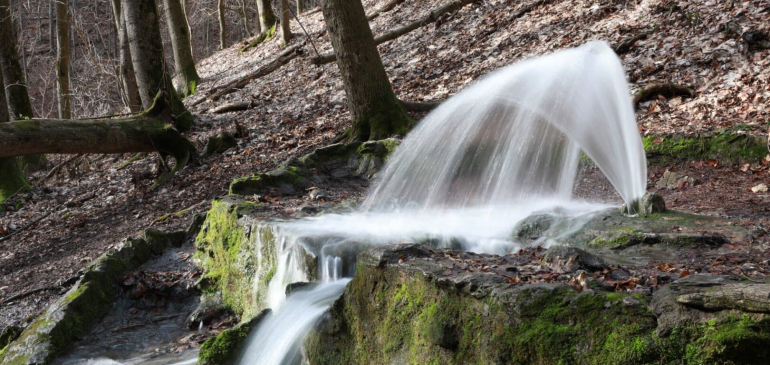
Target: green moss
{"points": [[726, 146], [239, 257], [221, 349], [12, 179], [255, 184], [412, 320]]}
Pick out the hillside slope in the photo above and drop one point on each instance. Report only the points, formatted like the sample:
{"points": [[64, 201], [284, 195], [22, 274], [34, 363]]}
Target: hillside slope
{"points": [[91, 204]]}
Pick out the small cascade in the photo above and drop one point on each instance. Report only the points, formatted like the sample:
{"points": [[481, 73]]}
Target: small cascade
{"points": [[279, 337]]}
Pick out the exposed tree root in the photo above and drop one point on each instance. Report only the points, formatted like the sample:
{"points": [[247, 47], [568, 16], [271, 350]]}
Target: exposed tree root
{"points": [[626, 44], [666, 89], [432, 17], [261, 38], [414, 106]]}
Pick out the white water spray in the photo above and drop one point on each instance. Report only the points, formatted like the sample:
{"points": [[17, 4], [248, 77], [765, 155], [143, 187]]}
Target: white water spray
{"points": [[515, 136]]}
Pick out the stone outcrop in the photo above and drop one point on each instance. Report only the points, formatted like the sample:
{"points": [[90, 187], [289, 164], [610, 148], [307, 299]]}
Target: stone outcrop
{"points": [[72, 316], [330, 162], [404, 306]]}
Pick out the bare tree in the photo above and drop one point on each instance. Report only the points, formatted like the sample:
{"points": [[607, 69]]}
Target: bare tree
{"points": [[12, 179], [222, 24], [126, 69], [266, 15], [152, 77], [186, 75], [374, 108], [63, 60], [285, 16], [245, 12]]}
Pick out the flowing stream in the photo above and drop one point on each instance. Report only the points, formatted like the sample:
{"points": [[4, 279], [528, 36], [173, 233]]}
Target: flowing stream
{"points": [[505, 147]]}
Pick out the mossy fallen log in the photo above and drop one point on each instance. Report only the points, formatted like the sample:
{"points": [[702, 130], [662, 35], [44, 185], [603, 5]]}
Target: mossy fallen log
{"points": [[726, 147]]}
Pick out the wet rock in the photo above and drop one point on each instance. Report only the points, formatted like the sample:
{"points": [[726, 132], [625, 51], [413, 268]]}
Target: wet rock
{"points": [[672, 180], [209, 309], [318, 194], [224, 348], [582, 259], [533, 227], [72, 315], [405, 301], [301, 286], [650, 203]]}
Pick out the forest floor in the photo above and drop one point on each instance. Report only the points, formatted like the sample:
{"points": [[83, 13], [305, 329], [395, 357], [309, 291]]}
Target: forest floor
{"points": [[90, 205]]}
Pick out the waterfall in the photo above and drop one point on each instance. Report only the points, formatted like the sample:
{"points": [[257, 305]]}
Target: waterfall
{"points": [[505, 147]]}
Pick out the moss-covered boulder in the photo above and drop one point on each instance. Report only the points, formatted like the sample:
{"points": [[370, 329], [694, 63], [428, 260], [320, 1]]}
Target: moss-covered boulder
{"points": [[338, 160], [72, 316], [225, 347], [239, 254], [402, 307], [613, 232], [406, 306]]}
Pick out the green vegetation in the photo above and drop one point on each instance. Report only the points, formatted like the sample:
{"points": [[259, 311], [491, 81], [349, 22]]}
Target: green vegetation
{"points": [[727, 147]]}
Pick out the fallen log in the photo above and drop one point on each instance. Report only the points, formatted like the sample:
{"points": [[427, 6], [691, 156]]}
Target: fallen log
{"points": [[432, 17], [384, 9], [233, 107], [668, 90], [149, 131], [283, 58]]}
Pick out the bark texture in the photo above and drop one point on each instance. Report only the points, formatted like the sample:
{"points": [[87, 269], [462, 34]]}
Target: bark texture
{"points": [[152, 75], [125, 70], [285, 16], [14, 91], [19, 106], [63, 60], [266, 15], [374, 109], [184, 63], [222, 25]]}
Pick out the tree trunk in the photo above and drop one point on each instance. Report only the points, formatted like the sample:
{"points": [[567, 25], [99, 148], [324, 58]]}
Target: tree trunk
{"points": [[266, 15], [222, 26], [184, 63], [374, 109], [300, 6], [150, 68], [144, 132], [259, 25], [19, 106], [11, 177], [63, 61], [125, 69], [245, 12], [285, 16], [51, 29]]}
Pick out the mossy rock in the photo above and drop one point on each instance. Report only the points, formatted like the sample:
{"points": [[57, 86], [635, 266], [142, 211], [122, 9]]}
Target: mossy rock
{"points": [[398, 313], [225, 348], [610, 229], [726, 147], [239, 254], [356, 159], [219, 144]]}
